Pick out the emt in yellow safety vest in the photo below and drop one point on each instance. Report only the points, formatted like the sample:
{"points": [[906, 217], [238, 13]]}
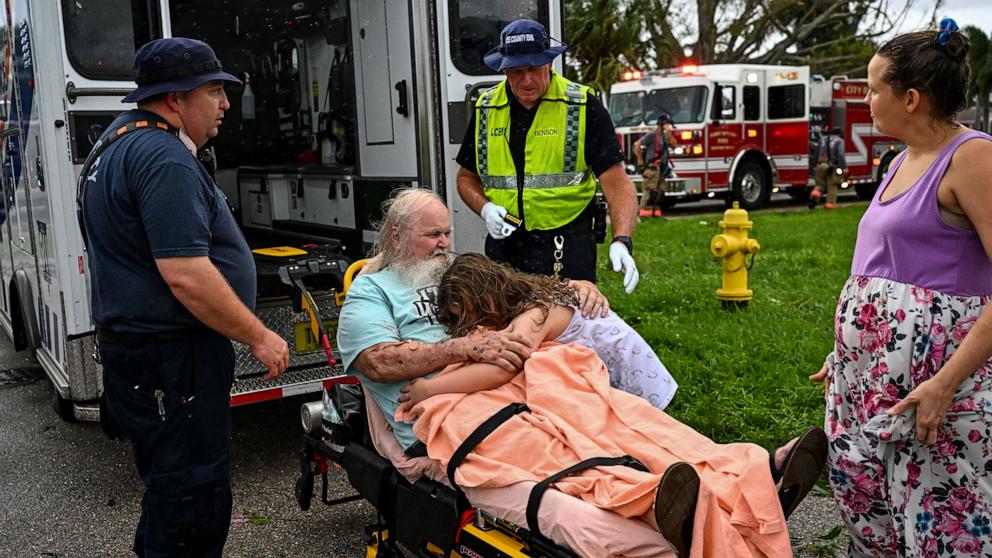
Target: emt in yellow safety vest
{"points": [[532, 155]]}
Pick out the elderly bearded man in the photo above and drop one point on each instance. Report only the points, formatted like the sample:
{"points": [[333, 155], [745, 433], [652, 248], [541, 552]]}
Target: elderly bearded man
{"points": [[388, 334]]}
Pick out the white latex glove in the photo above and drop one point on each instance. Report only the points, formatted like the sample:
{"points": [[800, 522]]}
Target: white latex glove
{"points": [[621, 259], [493, 214]]}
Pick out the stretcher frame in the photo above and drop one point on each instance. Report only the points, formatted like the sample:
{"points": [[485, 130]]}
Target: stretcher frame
{"points": [[425, 518]]}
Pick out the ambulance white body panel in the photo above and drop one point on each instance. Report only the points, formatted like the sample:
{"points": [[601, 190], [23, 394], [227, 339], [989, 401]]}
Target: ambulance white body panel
{"points": [[348, 100]]}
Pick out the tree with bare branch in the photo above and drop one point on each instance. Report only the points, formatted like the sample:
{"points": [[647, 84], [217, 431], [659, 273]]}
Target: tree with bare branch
{"points": [[832, 36]]}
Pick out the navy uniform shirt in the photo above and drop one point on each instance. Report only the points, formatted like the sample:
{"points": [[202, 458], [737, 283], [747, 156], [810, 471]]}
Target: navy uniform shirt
{"points": [[147, 198]]}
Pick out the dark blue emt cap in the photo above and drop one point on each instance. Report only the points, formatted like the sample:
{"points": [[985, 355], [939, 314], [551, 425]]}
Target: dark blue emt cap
{"points": [[523, 42], [174, 64]]}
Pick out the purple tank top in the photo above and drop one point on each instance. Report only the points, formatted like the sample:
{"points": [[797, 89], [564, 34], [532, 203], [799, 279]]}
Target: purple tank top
{"points": [[906, 240]]}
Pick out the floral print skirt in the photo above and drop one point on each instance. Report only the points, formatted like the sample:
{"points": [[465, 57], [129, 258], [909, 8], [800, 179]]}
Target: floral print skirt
{"points": [[898, 496]]}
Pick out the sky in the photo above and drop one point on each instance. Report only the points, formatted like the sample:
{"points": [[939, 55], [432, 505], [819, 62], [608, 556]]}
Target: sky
{"points": [[917, 17], [964, 12]]}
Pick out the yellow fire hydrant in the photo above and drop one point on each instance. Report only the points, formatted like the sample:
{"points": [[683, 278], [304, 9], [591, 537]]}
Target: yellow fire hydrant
{"points": [[733, 246]]}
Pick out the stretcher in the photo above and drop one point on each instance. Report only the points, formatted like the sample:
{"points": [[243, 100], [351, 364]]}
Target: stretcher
{"points": [[423, 518]]}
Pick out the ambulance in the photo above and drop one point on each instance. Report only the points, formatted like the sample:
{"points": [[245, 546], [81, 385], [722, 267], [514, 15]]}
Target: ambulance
{"points": [[746, 131], [344, 101]]}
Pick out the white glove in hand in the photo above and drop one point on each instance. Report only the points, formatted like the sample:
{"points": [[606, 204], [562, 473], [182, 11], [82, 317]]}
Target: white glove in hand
{"points": [[493, 214], [621, 259]]}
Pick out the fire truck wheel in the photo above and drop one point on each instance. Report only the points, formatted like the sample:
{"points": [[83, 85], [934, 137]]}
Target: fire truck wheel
{"points": [[751, 185]]}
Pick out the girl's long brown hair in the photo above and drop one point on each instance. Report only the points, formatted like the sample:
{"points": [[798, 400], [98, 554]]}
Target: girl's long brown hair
{"points": [[472, 277]]}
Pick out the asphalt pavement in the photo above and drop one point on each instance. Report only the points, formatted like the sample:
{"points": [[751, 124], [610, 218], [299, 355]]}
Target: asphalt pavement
{"points": [[68, 491], [779, 201]]}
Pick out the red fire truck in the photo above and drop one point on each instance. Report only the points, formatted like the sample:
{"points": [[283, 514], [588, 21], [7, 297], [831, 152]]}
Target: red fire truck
{"points": [[746, 131], [839, 102]]}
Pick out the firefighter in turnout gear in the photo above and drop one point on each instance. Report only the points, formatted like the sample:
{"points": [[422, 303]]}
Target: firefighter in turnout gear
{"points": [[829, 172], [652, 155], [531, 158]]}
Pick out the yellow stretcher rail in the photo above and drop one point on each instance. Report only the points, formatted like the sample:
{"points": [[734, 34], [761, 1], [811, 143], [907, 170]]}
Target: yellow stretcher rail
{"points": [[349, 276]]}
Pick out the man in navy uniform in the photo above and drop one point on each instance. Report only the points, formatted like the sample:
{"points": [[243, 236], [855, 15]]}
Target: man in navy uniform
{"points": [[172, 282]]}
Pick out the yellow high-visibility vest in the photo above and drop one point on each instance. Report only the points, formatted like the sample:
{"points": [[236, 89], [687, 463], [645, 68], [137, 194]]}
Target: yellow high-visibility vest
{"points": [[557, 184]]}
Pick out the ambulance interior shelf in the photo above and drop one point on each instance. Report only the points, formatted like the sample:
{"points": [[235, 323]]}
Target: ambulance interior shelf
{"points": [[290, 197], [297, 105]]}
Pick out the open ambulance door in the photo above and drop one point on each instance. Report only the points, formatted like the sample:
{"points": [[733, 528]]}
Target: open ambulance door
{"points": [[472, 28], [387, 140]]}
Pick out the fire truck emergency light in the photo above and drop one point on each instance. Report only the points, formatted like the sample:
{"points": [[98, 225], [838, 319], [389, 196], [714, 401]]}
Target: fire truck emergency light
{"points": [[689, 68], [687, 135], [630, 75]]}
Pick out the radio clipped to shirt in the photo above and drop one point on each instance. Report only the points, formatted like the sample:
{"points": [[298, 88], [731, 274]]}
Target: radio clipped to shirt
{"points": [[511, 223]]}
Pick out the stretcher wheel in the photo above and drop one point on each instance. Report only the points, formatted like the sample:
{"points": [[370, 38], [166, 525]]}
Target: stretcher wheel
{"points": [[304, 485], [304, 491]]}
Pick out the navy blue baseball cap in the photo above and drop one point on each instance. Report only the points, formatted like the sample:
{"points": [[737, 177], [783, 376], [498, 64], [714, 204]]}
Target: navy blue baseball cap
{"points": [[664, 118], [523, 42], [174, 64]]}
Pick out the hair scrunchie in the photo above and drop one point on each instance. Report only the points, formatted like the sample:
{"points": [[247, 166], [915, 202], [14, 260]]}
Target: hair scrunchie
{"points": [[947, 26]]}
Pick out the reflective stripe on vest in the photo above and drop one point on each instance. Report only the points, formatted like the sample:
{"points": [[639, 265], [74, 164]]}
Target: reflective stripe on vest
{"points": [[558, 186], [534, 180]]}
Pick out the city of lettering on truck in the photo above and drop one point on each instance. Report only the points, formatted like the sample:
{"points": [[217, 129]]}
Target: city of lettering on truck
{"points": [[348, 100], [746, 131]]}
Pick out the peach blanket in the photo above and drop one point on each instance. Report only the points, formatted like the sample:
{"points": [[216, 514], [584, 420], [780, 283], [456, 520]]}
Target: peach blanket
{"points": [[575, 415]]}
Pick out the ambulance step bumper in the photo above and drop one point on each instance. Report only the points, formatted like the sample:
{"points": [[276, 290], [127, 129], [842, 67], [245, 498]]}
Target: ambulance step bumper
{"points": [[312, 379]]}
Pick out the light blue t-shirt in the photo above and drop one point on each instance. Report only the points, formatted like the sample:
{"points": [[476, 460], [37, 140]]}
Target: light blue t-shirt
{"points": [[382, 308]]}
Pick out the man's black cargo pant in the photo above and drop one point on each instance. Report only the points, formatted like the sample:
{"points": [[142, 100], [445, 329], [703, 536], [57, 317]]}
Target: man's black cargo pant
{"points": [[170, 393]]}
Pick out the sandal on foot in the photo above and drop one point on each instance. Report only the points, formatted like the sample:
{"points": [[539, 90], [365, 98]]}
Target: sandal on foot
{"points": [[675, 506], [802, 467]]}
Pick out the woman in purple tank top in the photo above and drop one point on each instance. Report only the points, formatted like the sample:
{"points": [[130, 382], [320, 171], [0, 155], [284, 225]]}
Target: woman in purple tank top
{"points": [[909, 383]]}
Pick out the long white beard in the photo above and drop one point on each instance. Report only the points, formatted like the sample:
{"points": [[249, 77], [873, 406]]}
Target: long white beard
{"points": [[424, 273]]}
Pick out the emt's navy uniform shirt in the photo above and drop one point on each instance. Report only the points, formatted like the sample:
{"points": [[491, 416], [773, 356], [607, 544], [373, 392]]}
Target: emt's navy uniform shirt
{"points": [[148, 197]]}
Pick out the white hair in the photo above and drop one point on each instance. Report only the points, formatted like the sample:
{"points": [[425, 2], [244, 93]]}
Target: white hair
{"points": [[399, 213]]}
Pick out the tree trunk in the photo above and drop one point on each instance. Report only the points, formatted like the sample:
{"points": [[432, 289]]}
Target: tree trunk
{"points": [[705, 50], [985, 113]]}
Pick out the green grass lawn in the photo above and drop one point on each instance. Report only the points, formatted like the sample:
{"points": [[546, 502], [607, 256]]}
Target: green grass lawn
{"points": [[742, 374]]}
